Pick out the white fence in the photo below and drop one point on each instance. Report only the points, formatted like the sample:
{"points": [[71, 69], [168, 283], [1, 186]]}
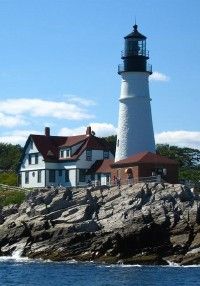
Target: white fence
{"points": [[11, 188]]}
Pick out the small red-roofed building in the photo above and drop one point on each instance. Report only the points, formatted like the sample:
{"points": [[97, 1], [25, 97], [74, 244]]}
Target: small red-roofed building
{"points": [[144, 165], [63, 160]]}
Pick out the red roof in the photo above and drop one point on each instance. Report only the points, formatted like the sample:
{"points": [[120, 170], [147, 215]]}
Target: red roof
{"points": [[97, 143], [101, 166], [73, 140], [145, 158], [49, 146]]}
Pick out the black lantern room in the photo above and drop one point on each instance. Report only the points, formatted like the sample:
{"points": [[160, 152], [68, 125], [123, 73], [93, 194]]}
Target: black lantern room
{"points": [[135, 56]]}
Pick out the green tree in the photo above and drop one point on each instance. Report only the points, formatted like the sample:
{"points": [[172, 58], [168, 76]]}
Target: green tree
{"points": [[9, 157], [190, 174], [112, 140], [186, 157]]}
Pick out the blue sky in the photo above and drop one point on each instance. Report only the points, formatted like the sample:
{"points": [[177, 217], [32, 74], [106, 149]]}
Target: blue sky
{"points": [[58, 66]]}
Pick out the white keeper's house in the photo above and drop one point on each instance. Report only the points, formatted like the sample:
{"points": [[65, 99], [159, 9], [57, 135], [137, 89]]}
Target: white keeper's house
{"points": [[68, 161]]}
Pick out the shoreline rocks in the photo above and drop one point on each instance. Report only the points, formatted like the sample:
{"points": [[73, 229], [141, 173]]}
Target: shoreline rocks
{"points": [[147, 223]]}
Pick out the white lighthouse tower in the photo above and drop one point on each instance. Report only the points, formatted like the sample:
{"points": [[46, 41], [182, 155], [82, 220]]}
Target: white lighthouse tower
{"points": [[135, 129]]}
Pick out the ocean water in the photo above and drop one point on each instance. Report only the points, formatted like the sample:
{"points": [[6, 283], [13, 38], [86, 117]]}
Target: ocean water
{"points": [[24, 272]]}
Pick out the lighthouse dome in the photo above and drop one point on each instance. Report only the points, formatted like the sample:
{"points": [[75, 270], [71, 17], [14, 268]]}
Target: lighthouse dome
{"points": [[135, 34]]}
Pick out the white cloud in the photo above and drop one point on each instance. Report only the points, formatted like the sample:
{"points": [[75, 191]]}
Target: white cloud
{"points": [[39, 107], [104, 129], [79, 100], [20, 136], [181, 138], [65, 131], [11, 121], [17, 136], [100, 129], [158, 76]]}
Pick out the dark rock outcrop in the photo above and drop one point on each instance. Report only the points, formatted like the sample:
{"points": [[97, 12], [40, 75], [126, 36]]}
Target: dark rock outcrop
{"points": [[146, 224]]}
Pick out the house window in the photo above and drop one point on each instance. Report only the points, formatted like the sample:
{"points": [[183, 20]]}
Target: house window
{"points": [[61, 153], [107, 179], [39, 178], [66, 175], [89, 155], [36, 158], [68, 152], [26, 177], [60, 173], [106, 154], [31, 144], [82, 174], [117, 142], [33, 158], [165, 172], [30, 159], [65, 153], [52, 176]]}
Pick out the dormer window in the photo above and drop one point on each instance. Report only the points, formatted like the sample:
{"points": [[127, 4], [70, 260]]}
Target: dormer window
{"points": [[61, 153], [105, 154], [65, 153], [68, 153]]}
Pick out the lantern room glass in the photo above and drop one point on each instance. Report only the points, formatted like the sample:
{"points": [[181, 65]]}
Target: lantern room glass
{"points": [[135, 47]]}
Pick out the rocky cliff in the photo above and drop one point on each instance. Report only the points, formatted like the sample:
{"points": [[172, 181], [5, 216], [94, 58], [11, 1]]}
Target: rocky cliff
{"points": [[142, 224]]}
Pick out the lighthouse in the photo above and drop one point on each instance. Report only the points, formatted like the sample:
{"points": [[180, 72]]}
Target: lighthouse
{"points": [[135, 128]]}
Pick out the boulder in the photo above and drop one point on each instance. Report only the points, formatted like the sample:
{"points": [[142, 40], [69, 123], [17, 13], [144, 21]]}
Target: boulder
{"points": [[180, 241], [9, 210], [185, 194]]}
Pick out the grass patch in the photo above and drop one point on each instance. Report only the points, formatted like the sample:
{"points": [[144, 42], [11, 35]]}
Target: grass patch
{"points": [[8, 178], [11, 197]]}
